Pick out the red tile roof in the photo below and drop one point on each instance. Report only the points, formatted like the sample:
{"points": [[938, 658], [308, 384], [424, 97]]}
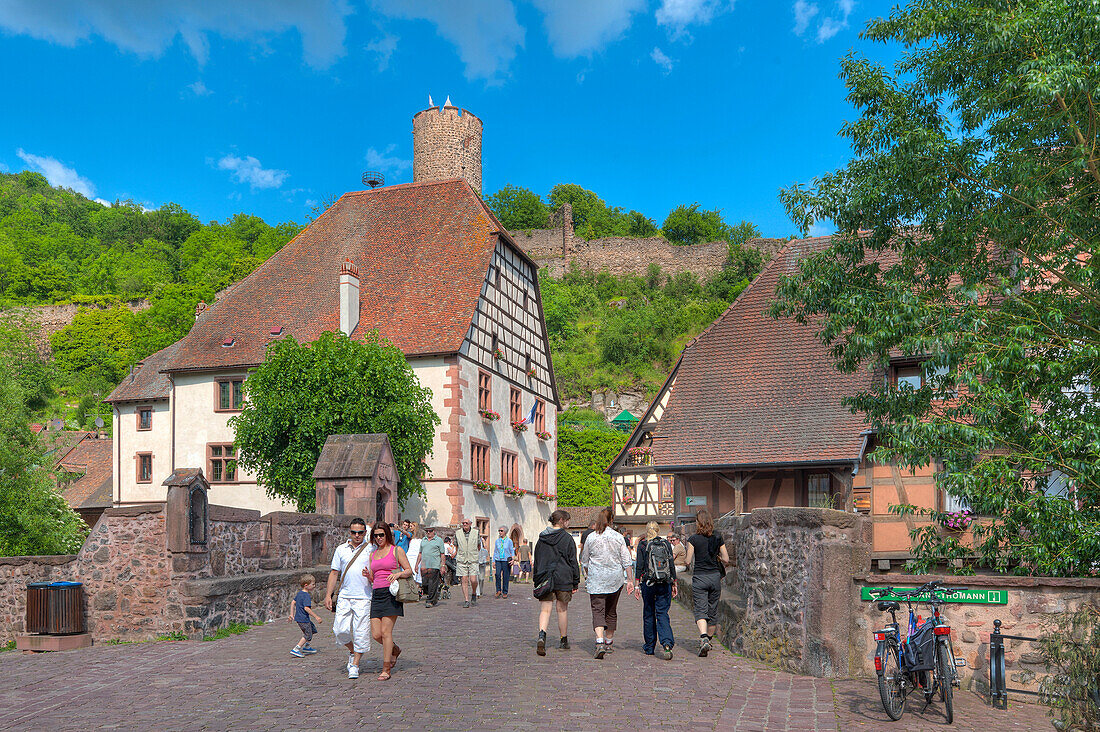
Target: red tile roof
{"points": [[94, 488], [423, 252], [754, 391], [146, 382]]}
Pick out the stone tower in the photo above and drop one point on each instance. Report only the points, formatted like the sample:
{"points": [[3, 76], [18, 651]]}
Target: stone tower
{"points": [[447, 144]]}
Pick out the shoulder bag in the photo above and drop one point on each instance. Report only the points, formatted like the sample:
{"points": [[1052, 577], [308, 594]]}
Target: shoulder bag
{"points": [[340, 584]]}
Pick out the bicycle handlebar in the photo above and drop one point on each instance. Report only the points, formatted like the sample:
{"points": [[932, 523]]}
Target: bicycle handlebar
{"points": [[932, 588]]}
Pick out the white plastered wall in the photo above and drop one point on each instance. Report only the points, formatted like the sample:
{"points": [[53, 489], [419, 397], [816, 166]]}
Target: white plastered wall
{"points": [[129, 441]]}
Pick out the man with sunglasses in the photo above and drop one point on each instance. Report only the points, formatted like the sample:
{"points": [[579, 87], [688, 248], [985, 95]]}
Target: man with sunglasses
{"points": [[351, 619]]}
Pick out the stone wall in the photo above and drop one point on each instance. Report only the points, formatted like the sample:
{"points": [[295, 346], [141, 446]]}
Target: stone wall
{"points": [[793, 599], [48, 319], [137, 588]]}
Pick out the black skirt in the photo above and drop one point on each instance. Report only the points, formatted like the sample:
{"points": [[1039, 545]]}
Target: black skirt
{"points": [[385, 605]]}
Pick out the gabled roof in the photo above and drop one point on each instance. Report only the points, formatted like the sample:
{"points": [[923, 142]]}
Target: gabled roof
{"points": [[94, 488], [423, 253], [352, 456], [146, 382], [755, 391]]}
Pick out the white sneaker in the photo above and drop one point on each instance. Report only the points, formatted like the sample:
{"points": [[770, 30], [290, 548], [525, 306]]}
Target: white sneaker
{"points": [[351, 661], [353, 672]]}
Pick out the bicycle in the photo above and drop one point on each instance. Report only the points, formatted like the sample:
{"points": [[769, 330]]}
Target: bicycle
{"points": [[904, 666]]}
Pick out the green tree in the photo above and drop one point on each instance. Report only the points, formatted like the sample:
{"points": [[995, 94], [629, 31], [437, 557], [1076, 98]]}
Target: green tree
{"points": [[976, 177], [638, 224], [20, 356], [583, 454], [518, 208], [34, 518], [302, 393], [690, 225], [97, 343], [170, 315]]}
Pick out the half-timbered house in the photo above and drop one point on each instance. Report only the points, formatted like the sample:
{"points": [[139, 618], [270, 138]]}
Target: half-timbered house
{"points": [[752, 415], [429, 268]]}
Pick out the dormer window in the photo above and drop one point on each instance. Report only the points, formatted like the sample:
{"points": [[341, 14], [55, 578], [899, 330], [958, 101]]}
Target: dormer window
{"points": [[228, 342], [276, 330], [915, 375]]}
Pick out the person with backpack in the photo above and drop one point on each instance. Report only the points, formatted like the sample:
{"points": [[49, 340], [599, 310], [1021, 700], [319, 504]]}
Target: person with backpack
{"points": [[556, 577], [709, 554], [656, 577]]}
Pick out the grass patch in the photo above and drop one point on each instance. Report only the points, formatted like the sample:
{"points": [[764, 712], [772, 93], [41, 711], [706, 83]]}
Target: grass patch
{"points": [[9, 646], [178, 635], [231, 629]]}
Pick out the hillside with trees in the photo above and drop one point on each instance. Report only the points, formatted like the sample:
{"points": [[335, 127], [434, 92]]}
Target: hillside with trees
{"points": [[625, 333], [57, 246]]}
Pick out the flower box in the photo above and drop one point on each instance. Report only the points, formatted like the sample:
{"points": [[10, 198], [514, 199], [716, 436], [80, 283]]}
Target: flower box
{"points": [[639, 456], [545, 496], [513, 491], [958, 521], [484, 486], [543, 435], [489, 415], [627, 500], [519, 426], [531, 373], [498, 354]]}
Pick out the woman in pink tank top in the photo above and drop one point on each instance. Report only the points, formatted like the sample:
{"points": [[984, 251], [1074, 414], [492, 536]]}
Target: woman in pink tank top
{"points": [[387, 563]]}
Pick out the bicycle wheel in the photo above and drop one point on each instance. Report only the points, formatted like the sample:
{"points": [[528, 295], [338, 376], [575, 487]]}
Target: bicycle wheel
{"points": [[891, 686], [944, 668]]}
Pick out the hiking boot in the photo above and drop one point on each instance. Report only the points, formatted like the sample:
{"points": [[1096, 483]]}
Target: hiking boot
{"points": [[564, 644], [704, 646], [601, 649], [666, 653], [466, 604], [540, 646], [474, 600], [608, 646]]}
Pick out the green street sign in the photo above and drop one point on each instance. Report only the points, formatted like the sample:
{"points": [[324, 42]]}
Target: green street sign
{"points": [[973, 597], [696, 500]]}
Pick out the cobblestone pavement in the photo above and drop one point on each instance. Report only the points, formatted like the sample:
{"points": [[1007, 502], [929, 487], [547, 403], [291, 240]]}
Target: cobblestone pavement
{"points": [[460, 670]]}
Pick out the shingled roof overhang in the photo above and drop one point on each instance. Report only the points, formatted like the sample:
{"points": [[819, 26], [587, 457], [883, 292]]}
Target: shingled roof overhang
{"points": [[753, 392], [423, 251]]}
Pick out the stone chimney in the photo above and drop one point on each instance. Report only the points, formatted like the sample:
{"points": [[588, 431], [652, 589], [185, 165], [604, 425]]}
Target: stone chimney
{"points": [[349, 297]]}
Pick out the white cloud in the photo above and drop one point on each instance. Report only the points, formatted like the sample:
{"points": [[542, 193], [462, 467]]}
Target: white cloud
{"points": [[804, 12], [582, 27], [386, 162], [661, 59], [677, 15], [199, 89], [485, 32], [383, 49], [835, 24], [148, 27], [59, 174], [249, 170]]}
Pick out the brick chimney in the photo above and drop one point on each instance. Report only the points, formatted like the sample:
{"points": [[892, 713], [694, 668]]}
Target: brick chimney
{"points": [[349, 297]]}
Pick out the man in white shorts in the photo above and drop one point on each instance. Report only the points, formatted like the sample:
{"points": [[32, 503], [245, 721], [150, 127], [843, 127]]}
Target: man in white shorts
{"points": [[351, 619], [467, 545]]}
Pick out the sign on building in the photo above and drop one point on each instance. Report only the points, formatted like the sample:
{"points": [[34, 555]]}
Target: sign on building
{"points": [[973, 597]]}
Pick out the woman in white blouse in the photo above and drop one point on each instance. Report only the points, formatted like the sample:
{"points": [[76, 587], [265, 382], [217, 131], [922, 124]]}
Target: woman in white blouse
{"points": [[607, 566]]}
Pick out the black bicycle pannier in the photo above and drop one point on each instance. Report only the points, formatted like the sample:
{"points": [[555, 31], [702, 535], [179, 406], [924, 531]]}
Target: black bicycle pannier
{"points": [[920, 649]]}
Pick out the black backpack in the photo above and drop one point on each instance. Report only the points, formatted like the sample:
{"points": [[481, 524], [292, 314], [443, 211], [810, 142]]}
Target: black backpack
{"points": [[658, 562]]}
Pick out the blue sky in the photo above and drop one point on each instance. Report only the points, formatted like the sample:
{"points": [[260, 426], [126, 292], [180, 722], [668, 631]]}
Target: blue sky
{"points": [[266, 107]]}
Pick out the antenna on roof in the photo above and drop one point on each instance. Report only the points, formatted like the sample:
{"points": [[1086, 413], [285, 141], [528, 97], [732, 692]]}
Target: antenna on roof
{"points": [[374, 178]]}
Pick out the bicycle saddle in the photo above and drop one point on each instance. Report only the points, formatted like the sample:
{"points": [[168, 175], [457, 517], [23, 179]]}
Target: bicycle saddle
{"points": [[885, 605]]}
